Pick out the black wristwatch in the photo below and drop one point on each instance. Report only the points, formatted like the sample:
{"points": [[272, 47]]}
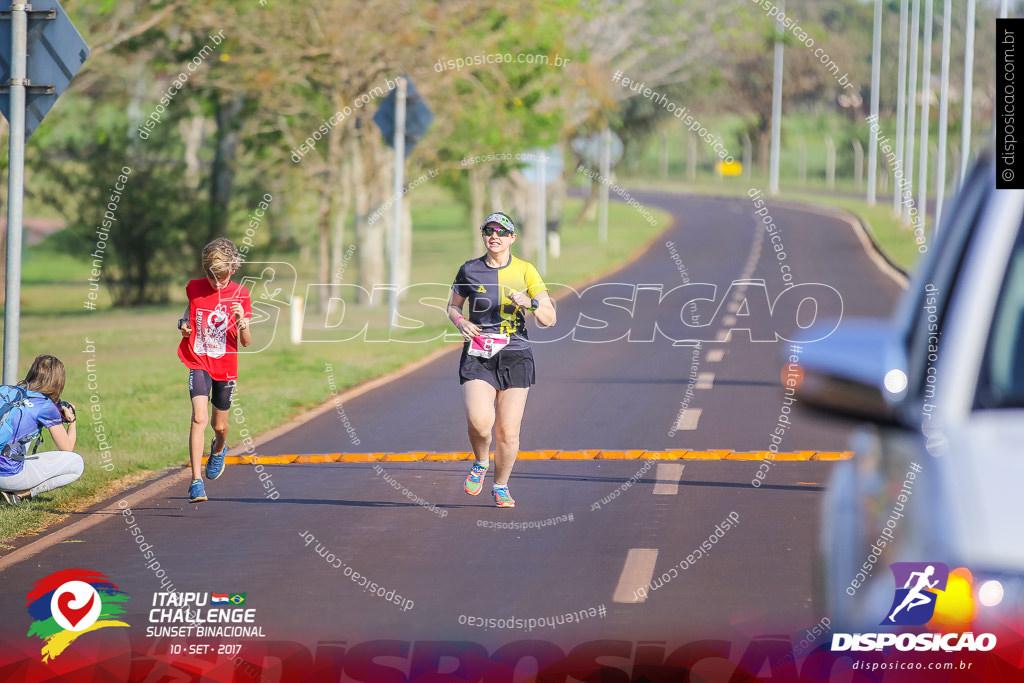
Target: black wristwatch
{"points": [[535, 304], [180, 321]]}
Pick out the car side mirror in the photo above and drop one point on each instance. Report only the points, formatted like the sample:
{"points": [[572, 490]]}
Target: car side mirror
{"points": [[857, 372]]}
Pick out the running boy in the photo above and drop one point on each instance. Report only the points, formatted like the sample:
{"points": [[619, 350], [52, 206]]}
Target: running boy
{"points": [[215, 322]]}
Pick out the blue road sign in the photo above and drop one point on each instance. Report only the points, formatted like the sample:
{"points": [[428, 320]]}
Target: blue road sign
{"points": [[56, 52], [418, 116]]}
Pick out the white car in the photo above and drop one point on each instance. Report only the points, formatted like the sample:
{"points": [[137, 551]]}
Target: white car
{"points": [[938, 473]]}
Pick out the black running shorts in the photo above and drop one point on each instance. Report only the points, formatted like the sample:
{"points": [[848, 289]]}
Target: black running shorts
{"points": [[201, 384], [506, 370]]}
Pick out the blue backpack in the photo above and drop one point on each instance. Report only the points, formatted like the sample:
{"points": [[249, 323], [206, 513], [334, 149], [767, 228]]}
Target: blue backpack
{"points": [[11, 414]]}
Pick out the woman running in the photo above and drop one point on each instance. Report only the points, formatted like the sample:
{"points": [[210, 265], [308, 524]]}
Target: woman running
{"points": [[496, 368]]}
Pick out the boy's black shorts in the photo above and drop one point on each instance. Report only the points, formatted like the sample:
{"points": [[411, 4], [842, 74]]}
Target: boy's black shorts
{"points": [[506, 370], [201, 384]]}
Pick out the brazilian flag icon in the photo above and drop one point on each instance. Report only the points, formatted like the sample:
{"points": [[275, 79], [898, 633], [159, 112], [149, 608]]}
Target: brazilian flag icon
{"points": [[237, 598]]}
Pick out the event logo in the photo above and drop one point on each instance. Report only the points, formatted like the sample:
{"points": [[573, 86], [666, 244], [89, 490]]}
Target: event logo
{"points": [[919, 586], [69, 603], [914, 603]]}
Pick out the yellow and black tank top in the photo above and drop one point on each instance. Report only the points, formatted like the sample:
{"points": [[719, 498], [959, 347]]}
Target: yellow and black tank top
{"points": [[487, 291]]}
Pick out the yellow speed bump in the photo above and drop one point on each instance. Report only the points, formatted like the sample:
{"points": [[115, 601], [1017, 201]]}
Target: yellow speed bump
{"points": [[329, 457], [619, 455], [589, 454]]}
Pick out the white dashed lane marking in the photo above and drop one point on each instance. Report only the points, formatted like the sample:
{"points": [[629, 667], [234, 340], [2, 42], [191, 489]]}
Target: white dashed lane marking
{"points": [[687, 421], [636, 574], [668, 476], [705, 380], [715, 355]]}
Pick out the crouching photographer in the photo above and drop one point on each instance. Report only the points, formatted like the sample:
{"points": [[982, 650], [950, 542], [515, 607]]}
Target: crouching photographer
{"points": [[25, 410]]}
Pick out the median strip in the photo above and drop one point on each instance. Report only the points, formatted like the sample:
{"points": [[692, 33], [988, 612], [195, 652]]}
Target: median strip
{"points": [[295, 459]]}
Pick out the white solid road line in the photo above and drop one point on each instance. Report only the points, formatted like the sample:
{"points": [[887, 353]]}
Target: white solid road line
{"points": [[715, 355], [668, 476], [705, 380], [687, 421], [636, 574]]}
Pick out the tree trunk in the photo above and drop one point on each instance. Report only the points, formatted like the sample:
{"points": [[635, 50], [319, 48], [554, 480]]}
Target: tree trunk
{"points": [[369, 236], [222, 174], [498, 202], [524, 212], [192, 134], [340, 216], [763, 150], [477, 197], [328, 190], [589, 210]]}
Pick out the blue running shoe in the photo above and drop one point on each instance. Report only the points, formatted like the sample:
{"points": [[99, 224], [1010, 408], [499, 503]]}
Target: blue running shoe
{"points": [[215, 463], [197, 492], [475, 480], [501, 497]]}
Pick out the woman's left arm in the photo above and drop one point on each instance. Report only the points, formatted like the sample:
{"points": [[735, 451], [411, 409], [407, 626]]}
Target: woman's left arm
{"points": [[545, 310]]}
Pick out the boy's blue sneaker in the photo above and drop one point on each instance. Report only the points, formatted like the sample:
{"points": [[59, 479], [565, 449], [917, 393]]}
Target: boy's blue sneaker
{"points": [[215, 463], [197, 492]]}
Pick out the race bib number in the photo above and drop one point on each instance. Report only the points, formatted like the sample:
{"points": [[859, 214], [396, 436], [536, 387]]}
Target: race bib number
{"points": [[487, 345], [211, 332]]}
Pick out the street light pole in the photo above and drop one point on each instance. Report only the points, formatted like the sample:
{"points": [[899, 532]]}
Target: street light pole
{"points": [[773, 176], [876, 55], [908, 164], [965, 135], [940, 181], [901, 103], [926, 77]]}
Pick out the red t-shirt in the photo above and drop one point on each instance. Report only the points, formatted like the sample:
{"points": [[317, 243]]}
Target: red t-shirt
{"points": [[213, 344]]}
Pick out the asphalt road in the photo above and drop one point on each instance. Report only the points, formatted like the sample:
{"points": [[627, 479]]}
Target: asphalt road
{"points": [[628, 394], [617, 544]]}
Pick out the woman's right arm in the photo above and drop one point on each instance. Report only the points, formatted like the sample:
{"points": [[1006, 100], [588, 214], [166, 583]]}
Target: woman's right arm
{"points": [[455, 303]]}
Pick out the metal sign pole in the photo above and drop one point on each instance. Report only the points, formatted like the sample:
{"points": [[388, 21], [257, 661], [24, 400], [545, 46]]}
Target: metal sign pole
{"points": [[15, 188], [606, 171], [542, 219], [396, 227]]}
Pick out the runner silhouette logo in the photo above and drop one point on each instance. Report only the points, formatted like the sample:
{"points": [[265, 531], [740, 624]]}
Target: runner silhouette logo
{"points": [[918, 585]]}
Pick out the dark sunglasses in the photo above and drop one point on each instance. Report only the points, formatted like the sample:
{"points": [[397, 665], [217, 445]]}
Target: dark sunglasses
{"points": [[500, 232]]}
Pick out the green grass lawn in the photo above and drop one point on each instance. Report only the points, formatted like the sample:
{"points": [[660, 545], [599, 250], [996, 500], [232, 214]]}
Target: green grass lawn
{"points": [[141, 399]]}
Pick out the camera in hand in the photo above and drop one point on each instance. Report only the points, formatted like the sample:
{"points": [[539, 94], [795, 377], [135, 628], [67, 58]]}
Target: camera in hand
{"points": [[65, 404]]}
